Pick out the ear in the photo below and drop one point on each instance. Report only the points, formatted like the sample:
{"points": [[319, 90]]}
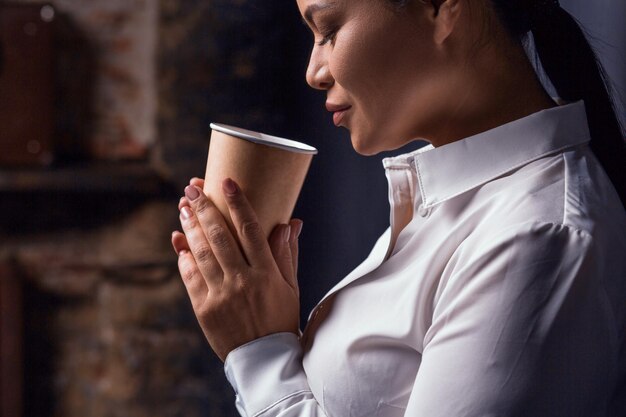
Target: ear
{"points": [[445, 15]]}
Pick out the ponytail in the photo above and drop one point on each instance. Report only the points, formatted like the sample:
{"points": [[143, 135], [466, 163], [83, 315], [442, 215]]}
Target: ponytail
{"points": [[574, 70], [576, 73]]}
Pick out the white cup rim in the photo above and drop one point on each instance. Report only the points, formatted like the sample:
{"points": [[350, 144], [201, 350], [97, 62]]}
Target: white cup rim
{"points": [[262, 138]]}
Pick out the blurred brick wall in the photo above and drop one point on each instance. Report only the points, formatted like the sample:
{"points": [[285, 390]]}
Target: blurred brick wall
{"points": [[106, 92], [109, 330], [108, 327]]}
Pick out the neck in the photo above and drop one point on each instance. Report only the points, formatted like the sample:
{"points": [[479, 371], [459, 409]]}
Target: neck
{"points": [[498, 89]]}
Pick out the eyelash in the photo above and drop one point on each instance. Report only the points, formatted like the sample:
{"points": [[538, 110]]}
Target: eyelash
{"points": [[328, 37]]}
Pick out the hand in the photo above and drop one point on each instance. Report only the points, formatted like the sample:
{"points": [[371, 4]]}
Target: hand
{"points": [[239, 292]]}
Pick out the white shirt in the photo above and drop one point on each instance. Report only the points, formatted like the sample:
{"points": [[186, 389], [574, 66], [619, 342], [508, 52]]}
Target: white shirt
{"points": [[504, 295]]}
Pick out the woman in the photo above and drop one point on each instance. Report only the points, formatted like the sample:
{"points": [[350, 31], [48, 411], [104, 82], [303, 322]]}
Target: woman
{"points": [[499, 287]]}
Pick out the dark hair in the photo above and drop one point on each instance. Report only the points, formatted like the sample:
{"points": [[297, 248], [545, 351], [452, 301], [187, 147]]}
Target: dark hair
{"points": [[576, 73], [574, 70]]}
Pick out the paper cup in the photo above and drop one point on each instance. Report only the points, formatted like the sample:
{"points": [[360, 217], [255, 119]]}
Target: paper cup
{"points": [[269, 170]]}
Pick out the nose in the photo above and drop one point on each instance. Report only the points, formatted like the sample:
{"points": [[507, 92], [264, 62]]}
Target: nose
{"points": [[318, 73]]}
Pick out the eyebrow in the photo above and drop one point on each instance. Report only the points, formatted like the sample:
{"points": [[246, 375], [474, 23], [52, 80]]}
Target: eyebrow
{"points": [[308, 13]]}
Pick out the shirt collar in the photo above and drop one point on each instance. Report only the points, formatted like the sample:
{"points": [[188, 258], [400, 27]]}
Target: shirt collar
{"points": [[449, 170]]}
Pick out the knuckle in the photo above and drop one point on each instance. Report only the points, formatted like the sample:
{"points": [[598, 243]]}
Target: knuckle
{"points": [[238, 286], [187, 271], [218, 237], [240, 281], [201, 206], [252, 231], [204, 254], [242, 290]]}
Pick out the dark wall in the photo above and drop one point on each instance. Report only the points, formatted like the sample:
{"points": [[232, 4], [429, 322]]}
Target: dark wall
{"points": [[603, 22]]}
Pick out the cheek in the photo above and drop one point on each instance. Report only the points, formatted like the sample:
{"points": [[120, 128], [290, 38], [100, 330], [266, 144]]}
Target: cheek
{"points": [[356, 61], [375, 66], [389, 72]]}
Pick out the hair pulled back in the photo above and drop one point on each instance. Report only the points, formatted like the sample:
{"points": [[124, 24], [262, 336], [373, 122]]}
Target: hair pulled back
{"points": [[574, 70]]}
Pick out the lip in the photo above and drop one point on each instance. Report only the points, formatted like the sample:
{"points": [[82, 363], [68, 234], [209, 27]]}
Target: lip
{"points": [[338, 110]]}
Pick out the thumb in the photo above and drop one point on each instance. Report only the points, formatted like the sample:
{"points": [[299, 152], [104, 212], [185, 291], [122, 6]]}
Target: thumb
{"points": [[296, 229], [281, 250]]}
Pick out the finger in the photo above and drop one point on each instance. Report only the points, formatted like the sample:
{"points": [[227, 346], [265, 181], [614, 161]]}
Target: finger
{"points": [[182, 203], [251, 235], [192, 278], [280, 247], [201, 249], [198, 182], [208, 218], [296, 229], [179, 242]]}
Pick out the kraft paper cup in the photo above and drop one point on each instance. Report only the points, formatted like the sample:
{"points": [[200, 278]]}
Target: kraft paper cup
{"points": [[270, 171]]}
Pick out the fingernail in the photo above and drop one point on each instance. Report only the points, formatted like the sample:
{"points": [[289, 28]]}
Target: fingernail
{"points": [[286, 233], [183, 252], [296, 232], [186, 212], [191, 192], [229, 186]]}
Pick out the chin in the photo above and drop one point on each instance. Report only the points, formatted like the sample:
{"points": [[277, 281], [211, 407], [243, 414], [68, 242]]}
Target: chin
{"points": [[373, 144], [364, 146], [364, 149]]}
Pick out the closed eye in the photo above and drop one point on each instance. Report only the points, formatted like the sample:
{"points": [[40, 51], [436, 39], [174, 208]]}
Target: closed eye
{"points": [[327, 37]]}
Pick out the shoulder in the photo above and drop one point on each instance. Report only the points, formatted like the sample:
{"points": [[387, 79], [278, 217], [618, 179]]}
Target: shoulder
{"points": [[530, 246], [568, 188]]}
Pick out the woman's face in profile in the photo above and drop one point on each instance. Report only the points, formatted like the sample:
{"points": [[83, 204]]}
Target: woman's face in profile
{"points": [[378, 67]]}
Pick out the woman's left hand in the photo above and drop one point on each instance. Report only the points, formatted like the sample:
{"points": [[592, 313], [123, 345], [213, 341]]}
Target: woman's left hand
{"points": [[239, 292]]}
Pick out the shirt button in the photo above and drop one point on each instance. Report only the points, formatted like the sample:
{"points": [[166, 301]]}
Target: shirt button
{"points": [[423, 212]]}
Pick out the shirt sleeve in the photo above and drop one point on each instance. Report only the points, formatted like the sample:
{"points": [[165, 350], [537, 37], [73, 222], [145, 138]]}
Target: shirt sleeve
{"points": [[521, 327], [269, 379]]}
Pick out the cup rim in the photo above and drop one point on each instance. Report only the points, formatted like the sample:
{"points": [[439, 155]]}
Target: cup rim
{"points": [[264, 139]]}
